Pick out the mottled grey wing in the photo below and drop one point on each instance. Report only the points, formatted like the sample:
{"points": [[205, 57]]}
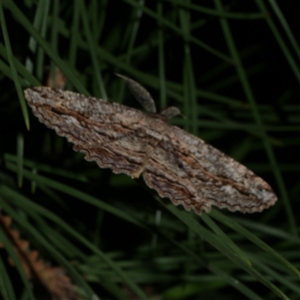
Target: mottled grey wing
{"points": [[196, 175], [110, 134]]}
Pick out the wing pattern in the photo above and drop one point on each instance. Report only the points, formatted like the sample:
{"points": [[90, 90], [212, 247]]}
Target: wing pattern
{"points": [[176, 164], [192, 173]]}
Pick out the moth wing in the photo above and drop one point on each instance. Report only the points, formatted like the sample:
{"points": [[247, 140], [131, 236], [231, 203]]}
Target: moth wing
{"points": [[110, 134], [196, 175]]}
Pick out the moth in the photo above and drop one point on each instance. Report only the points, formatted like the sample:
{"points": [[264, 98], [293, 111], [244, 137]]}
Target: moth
{"points": [[173, 162]]}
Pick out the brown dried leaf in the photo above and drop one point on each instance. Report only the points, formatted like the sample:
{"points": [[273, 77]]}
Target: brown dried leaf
{"points": [[53, 279], [57, 80]]}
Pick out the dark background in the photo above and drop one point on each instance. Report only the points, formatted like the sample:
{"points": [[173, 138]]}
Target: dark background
{"points": [[206, 88]]}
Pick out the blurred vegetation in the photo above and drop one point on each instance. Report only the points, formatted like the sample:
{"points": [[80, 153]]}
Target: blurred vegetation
{"points": [[232, 68]]}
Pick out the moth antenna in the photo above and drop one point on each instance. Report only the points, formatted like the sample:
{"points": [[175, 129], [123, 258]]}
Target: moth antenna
{"points": [[140, 94]]}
